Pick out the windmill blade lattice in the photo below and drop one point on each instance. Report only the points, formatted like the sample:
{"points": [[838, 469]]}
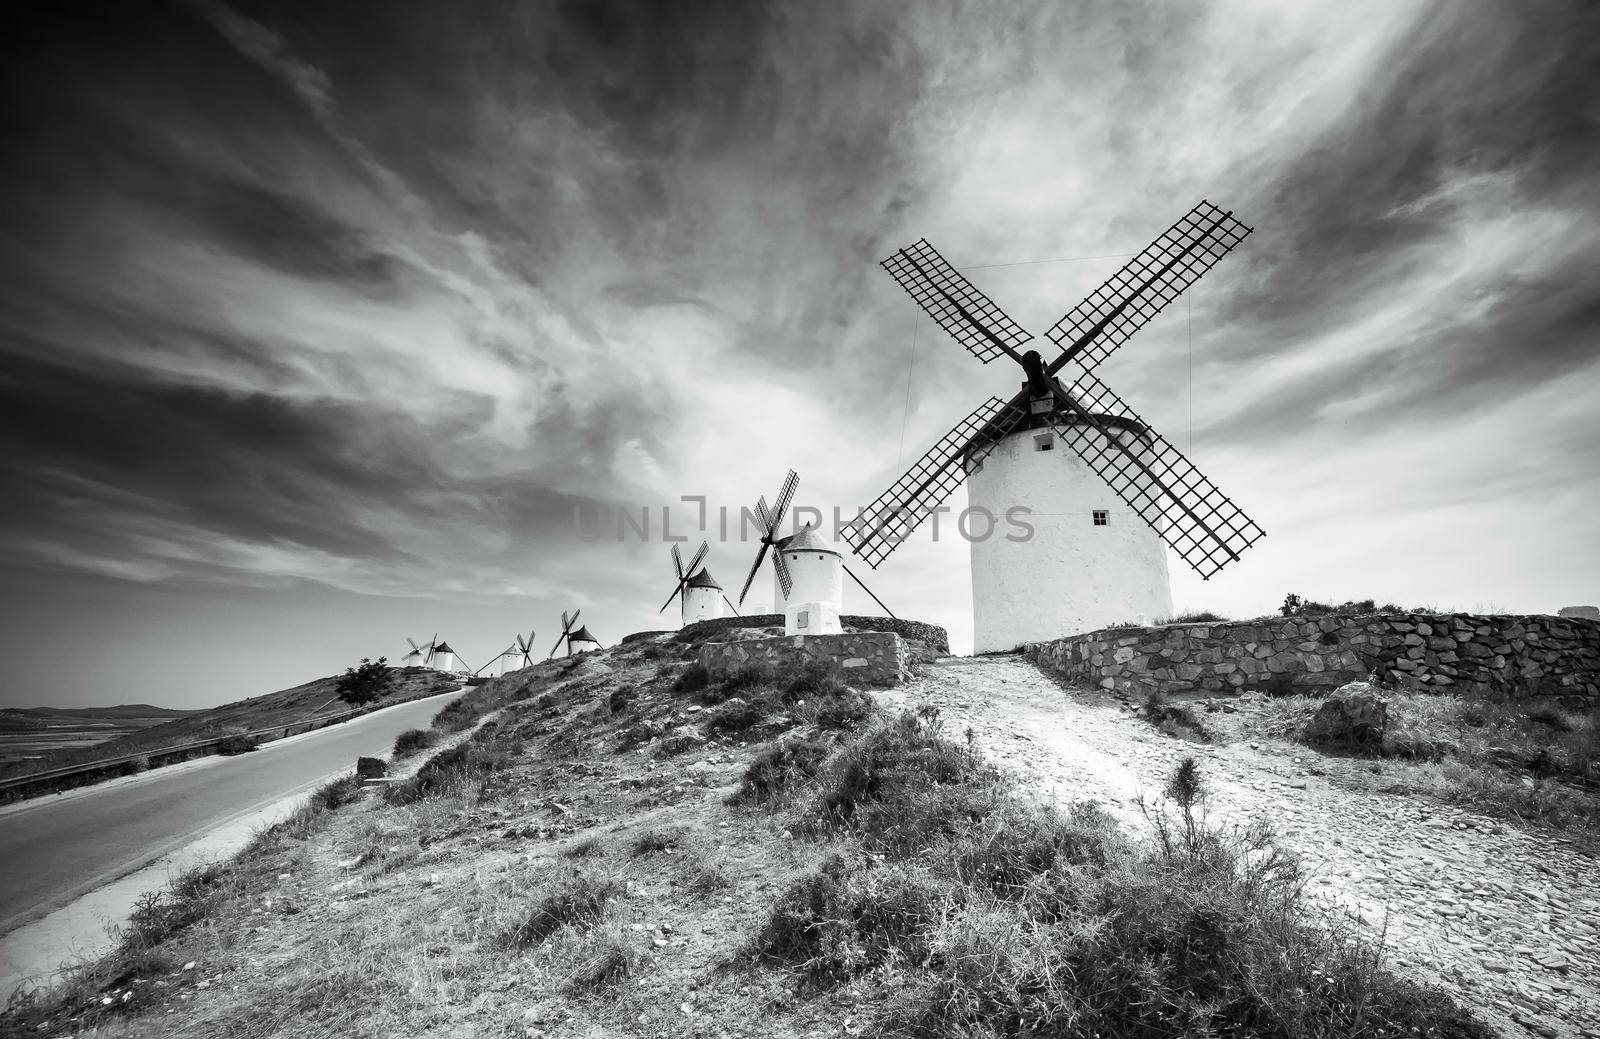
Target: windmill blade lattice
{"points": [[684, 572], [1145, 285], [770, 519], [900, 510], [970, 317], [1158, 482]]}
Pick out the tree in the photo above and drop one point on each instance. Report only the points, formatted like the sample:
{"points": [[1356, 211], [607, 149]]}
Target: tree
{"points": [[364, 684]]}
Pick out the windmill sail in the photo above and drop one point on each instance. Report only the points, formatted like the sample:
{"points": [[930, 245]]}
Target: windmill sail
{"points": [[971, 318], [900, 510], [1145, 285], [770, 520], [1157, 481]]}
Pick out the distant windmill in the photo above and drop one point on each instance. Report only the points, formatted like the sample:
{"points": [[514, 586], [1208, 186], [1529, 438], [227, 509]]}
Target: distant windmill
{"points": [[514, 657], [1080, 569], [525, 650], [698, 593], [416, 657], [442, 658], [570, 634]]}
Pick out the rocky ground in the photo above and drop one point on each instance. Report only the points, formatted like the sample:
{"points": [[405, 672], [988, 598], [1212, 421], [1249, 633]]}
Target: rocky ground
{"points": [[1506, 919]]}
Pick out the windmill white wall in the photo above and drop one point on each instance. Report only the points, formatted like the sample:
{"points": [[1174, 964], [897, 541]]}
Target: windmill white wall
{"points": [[445, 661], [701, 604], [817, 572], [1071, 576]]}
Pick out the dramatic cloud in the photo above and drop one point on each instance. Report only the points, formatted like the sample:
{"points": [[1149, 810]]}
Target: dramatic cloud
{"points": [[367, 301]]}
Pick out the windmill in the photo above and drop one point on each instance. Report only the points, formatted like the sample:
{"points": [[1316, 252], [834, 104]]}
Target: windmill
{"points": [[442, 658], [1086, 564], [569, 634], [698, 593], [770, 521], [416, 657], [525, 650]]}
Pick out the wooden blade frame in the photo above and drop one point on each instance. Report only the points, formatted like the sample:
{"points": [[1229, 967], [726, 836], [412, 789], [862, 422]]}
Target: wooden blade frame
{"points": [[684, 574], [1145, 285], [1200, 523], [900, 510], [971, 318]]}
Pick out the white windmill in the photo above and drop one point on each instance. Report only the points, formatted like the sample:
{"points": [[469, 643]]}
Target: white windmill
{"points": [[698, 593], [442, 658], [809, 574], [1090, 561], [571, 634], [416, 657]]}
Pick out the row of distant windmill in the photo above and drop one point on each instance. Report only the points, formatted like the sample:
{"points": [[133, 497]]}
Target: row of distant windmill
{"points": [[438, 656], [1089, 561]]}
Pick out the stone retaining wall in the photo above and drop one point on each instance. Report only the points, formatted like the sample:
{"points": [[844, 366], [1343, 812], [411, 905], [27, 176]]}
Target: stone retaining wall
{"points": [[931, 635], [868, 658], [1516, 655]]}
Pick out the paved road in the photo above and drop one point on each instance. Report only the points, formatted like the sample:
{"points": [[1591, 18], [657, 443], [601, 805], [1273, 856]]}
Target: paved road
{"points": [[55, 849]]}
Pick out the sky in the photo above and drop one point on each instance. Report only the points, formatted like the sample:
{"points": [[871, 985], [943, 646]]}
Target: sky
{"points": [[320, 326]]}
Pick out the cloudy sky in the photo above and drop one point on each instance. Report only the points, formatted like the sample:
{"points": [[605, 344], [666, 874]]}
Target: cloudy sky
{"points": [[317, 327]]}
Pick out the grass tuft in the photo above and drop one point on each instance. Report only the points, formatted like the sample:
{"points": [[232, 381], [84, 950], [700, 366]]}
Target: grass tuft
{"points": [[575, 899]]}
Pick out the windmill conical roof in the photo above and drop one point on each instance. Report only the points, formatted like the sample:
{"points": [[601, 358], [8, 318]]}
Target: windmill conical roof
{"points": [[1022, 419], [805, 540], [443, 647], [702, 579], [582, 635]]}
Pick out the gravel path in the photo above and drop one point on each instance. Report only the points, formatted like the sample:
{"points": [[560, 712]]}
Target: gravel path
{"points": [[1507, 921]]}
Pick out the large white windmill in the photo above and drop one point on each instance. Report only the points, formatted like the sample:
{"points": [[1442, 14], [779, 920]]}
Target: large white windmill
{"points": [[1100, 508], [442, 658]]}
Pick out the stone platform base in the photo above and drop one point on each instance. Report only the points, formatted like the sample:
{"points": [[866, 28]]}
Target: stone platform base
{"points": [[867, 658]]}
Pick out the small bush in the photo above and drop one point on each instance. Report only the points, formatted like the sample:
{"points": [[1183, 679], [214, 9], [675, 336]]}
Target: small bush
{"points": [[608, 957], [413, 740], [237, 744], [692, 679], [1177, 720], [450, 771], [576, 899], [335, 795], [652, 841], [737, 715], [620, 698], [845, 709], [845, 919], [815, 679], [780, 768], [583, 849], [456, 715], [1197, 617]]}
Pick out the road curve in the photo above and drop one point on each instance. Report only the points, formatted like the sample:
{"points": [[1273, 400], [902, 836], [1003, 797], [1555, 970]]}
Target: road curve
{"points": [[54, 849]]}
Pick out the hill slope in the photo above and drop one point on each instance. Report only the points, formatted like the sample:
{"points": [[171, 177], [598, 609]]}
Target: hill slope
{"points": [[625, 847]]}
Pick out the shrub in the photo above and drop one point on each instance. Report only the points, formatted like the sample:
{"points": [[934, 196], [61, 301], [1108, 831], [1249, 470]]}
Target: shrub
{"points": [[815, 679], [846, 709], [1197, 617], [366, 683], [583, 849], [844, 919], [692, 679], [902, 786], [576, 899], [450, 771], [1174, 719], [337, 794], [620, 698], [456, 715], [779, 768], [608, 956], [237, 744], [413, 740], [738, 714], [652, 841]]}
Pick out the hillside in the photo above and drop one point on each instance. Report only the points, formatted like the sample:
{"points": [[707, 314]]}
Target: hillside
{"points": [[90, 736], [617, 845]]}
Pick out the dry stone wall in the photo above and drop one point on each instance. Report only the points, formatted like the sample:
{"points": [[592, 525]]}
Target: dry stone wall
{"points": [[867, 658], [1517, 655]]}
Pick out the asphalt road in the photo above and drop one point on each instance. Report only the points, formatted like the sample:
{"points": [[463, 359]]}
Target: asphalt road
{"points": [[54, 849]]}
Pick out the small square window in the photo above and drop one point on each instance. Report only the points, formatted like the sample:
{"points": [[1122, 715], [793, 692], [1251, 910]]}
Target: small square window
{"points": [[1102, 518], [1044, 441]]}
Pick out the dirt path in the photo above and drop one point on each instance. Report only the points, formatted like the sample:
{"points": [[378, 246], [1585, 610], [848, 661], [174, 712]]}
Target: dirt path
{"points": [[1508, 921]]}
